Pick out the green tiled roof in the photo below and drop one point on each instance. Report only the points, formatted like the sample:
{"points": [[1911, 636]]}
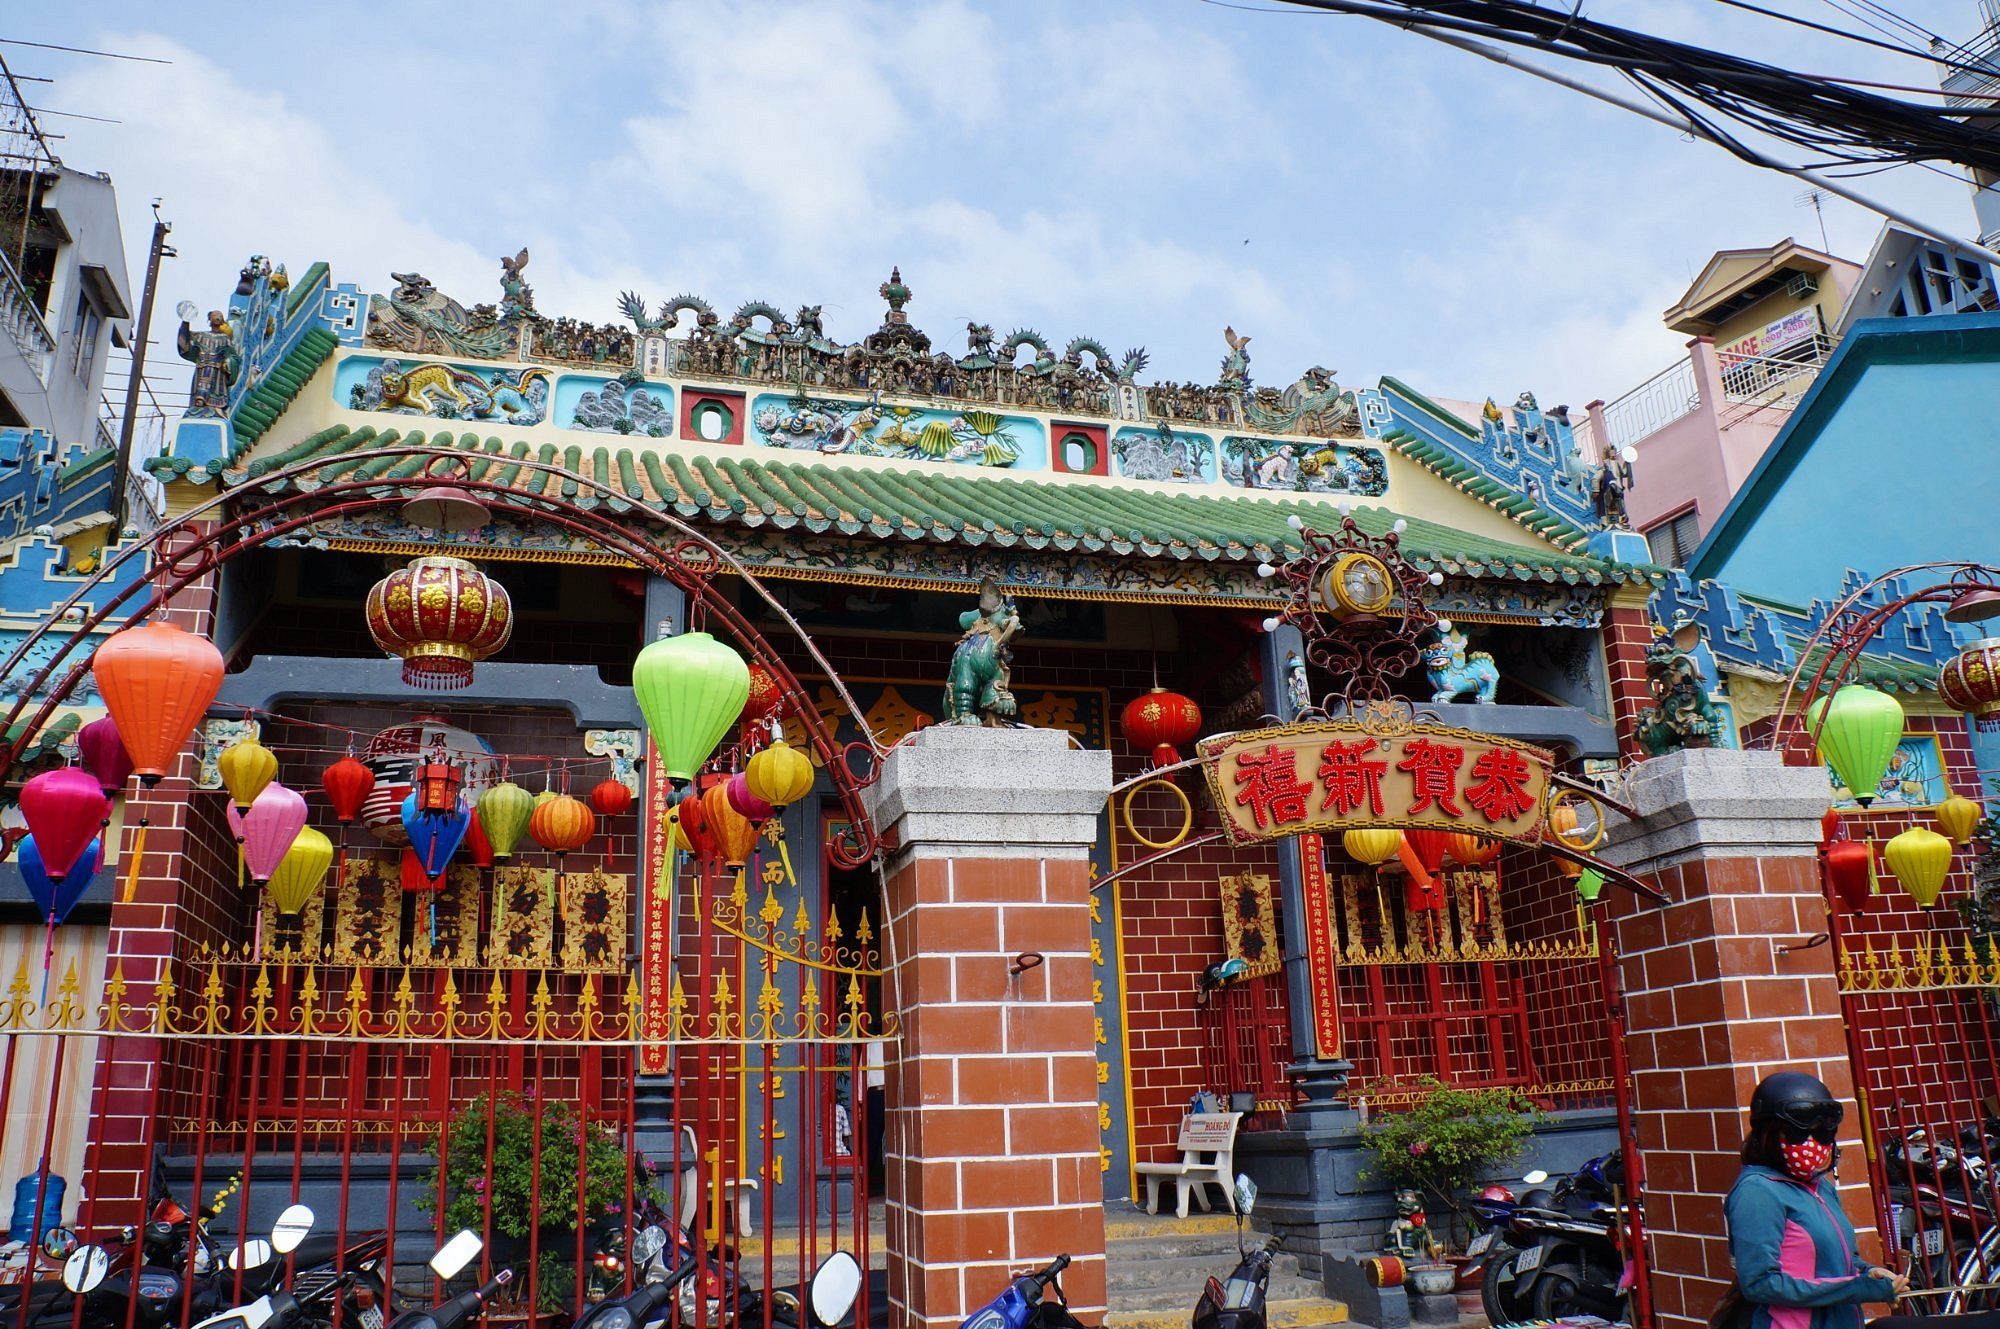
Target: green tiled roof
{"points": [[261, 409], [85, 464], [765, 488], [1878, 671]]}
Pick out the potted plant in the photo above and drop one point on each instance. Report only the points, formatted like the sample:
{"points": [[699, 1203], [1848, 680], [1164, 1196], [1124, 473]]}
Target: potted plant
{"points": [[1447, 1140], [522, 1203]]}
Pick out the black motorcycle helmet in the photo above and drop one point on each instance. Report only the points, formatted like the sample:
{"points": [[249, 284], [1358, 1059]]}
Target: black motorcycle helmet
{"points": [[1798, 1102]]}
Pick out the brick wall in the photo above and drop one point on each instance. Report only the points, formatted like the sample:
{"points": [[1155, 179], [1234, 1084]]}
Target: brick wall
{"points": [[1628, 631]]}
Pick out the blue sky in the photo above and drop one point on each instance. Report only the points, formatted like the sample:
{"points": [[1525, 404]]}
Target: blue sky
{"points": [[1349, 195]]}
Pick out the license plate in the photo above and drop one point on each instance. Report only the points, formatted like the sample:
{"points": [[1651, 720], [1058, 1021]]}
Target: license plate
{"points": [[1933, 1242], [372, 1318], [1529, 1261], [1479, 1244]]}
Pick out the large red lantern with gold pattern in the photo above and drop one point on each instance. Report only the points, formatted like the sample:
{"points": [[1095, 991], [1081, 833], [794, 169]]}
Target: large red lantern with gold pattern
{"points": [[1161, 721], [1970, 682], [441, 616]]}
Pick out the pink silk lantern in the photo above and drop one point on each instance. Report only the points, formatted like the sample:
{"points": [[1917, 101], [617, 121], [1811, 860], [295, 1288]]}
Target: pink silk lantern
{"points": [[104, 754], [64, 810], [268, 828], [746, 803]]}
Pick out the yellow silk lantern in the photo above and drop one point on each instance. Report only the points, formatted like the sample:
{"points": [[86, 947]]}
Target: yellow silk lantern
{"points": [[1958, 817], [779, 774], [1374, 847], [246, 766], [302, 869], [1920, 858]]}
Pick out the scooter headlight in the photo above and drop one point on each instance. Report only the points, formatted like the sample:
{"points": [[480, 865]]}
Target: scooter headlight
{"points": [[987, 1319]]}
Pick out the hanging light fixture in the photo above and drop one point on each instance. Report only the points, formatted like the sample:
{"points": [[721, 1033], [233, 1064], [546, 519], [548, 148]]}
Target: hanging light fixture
{"points": [[441, 616], [610, 798], [446, 507], [1859, 729], [436, 785], [691, 689], [1970, 682], [1975, 604]]}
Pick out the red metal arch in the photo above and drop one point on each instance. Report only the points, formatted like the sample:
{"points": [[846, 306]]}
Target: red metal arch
{"points": [[219, 529]]}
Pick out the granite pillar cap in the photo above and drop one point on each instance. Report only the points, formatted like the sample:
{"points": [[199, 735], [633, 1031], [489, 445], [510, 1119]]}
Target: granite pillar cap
{"points": [[1703, 803], [970, 791]]}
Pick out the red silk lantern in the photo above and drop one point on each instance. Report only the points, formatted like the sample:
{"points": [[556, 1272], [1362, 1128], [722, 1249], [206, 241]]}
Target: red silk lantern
{"points": [[562, 824], [1160, 721], [1429, 847], [1847, 863], [156, 680], [693, 815], [415, 880], [104, 754], [611, 798], [477, 847], [347, 783], [64, 810], [735, 835], [440, 615], [745, 802]]}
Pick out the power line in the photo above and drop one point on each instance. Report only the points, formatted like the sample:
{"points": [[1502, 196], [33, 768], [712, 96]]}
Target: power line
{"points": [[84, 50]]}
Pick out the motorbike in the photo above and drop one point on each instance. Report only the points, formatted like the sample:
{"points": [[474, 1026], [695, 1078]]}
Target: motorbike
{"points": [[1492, 1252], [830, 1294], [1573, 1250], [447, 1264], [169, 1267]]}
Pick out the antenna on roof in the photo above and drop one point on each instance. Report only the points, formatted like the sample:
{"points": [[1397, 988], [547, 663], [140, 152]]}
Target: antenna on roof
{"points": [[1814, 198]]}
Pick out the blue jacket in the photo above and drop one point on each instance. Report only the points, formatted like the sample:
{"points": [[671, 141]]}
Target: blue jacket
{"points": [[1795, 1255]]}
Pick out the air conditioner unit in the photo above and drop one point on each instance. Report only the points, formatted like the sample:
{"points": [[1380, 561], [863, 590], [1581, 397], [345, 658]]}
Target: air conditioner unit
{"points": [[1801, 285]]}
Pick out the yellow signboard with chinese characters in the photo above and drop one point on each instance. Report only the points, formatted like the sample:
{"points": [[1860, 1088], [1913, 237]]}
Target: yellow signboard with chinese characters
{"points": [[1340, 775]]}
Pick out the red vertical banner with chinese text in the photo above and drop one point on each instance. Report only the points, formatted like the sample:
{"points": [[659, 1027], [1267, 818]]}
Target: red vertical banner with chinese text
{"points": [[656, 890], [1317, 932]]}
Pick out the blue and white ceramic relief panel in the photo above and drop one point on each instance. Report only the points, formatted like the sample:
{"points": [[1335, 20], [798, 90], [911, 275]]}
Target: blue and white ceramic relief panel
{"points": [[838, 426], [611, 406], [1304, 466], [1178, 456], [515, 395]]}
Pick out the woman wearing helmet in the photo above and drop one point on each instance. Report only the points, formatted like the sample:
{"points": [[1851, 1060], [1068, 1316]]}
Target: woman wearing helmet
{"points": [[1797, 1266]]}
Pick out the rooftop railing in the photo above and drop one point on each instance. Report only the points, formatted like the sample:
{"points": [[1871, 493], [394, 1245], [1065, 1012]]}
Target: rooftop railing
{"points": [[23, 322], [1653, 405]]}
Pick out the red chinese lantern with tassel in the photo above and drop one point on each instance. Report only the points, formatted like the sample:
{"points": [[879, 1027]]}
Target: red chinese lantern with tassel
{"points": [[767, 697], [440, 615], [347, 783], [1847, 864], [1160, 721], [1430, 847], [692, 814], [1970, 682], [610, 798]]}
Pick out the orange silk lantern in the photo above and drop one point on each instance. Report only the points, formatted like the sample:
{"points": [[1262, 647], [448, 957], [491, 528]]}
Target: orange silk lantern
{"points": [[611, 798], [156, 680], [1562, 820], [562, 824], [735, 835], [1473, 850]]}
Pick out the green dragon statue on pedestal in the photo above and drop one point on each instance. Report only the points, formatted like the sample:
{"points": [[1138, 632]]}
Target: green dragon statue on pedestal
{"points": [[977, 690]]}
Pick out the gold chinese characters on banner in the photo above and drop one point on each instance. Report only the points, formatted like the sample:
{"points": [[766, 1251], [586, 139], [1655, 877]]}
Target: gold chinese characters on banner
{"points": [[1333, 776]]}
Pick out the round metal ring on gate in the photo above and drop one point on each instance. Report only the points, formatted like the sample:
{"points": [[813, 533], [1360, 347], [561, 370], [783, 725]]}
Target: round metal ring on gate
{"points": [[1187, 814], [1584, 838]]}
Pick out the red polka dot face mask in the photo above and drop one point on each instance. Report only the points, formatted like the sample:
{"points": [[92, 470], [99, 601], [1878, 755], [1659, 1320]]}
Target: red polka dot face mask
{"points": [[1806, 1159]]}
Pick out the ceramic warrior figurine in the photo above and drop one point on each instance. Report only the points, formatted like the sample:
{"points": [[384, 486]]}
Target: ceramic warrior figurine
{"points": [[977, 690], [1682, 714], [1610, 484], [216, 362], [1410, 1235]]}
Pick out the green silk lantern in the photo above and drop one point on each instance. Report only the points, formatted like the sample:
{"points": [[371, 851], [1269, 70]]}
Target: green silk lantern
{"points": [[504, 810], [1589, 883], [1857, 736], [1920, 858], [690, 688]]}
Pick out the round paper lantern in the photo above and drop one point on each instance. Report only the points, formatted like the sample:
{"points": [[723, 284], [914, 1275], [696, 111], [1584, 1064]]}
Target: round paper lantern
{"points": [[610, 798], [64, 810], [268, 829], [1160, 721], [1473, 850], [1970, 682], [440, 615], [246, 766], [394, 755], [434, 837], [690, 688], [1857, 737], [735, 835], [157, 681], [477, 847], [1919, 858], [1374, 847], [562, 824], [1847, 864], [302, 869], [504, 813], [54, 897], [779, 774], [1563, 820], [347, 783], [745, 802], [1429, 846], [104, 754], [691, 814], [1958, 818]]}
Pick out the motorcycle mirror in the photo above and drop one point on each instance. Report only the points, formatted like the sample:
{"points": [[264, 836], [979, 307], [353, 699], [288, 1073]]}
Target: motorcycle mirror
{"points": [[835, 1286], [291, 1228], [455, 1254], [85, 1268], [1246, 1195], [647, 1244], [1536, 1178], [58, 1242], [252, 1254]]}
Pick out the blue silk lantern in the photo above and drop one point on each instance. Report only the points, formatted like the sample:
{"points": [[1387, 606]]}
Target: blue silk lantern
{"points": [[52, 897], [435, 836]]}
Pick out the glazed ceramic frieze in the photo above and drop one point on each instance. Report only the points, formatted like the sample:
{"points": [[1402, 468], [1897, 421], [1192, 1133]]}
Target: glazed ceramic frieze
{"points": [[842, 426]]}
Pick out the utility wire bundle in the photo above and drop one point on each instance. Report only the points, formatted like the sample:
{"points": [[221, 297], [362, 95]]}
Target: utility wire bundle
{"points": [[1847, 125]]}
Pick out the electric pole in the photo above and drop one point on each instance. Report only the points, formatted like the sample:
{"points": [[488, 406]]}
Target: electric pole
{"points": [[137, 383]]}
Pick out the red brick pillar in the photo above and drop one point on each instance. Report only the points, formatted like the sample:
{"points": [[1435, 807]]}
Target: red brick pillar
{"points": [[990, 1143], [1628, 631], [1713, 1004], [143, 936]]}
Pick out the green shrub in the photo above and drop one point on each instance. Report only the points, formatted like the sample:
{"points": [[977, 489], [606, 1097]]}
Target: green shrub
{"points": [[1448, 1139]]}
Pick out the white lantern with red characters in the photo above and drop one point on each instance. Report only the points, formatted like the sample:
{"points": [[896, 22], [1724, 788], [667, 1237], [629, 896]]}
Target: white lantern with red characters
{"points": [[394, 755]]}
